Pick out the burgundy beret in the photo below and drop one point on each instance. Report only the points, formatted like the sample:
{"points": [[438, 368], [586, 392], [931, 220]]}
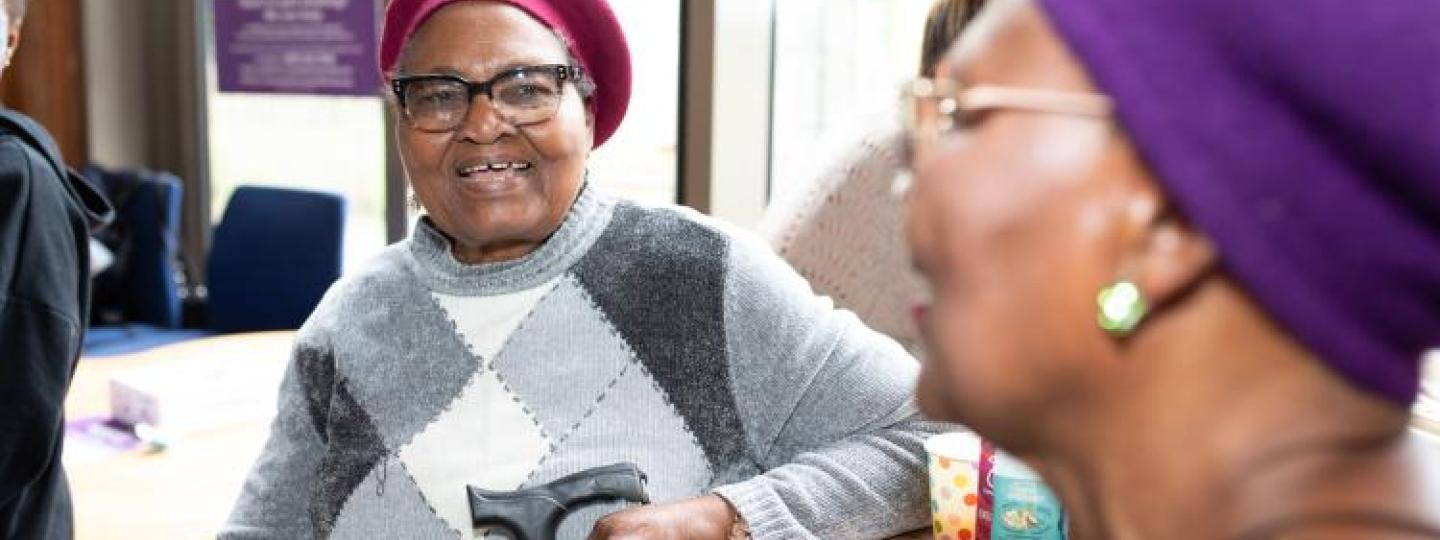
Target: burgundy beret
{"points": [[588, 26]]}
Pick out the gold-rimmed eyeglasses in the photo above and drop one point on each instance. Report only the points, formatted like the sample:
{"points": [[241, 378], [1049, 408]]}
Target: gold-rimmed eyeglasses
{"points": [[933, 107]]}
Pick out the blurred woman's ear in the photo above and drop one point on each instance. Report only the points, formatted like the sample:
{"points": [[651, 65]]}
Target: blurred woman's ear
{"points": [[1167, 255]]}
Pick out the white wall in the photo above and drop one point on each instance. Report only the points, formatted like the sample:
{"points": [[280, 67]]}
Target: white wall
{"points": [[143, 106], [740, 140], [115, 86]]}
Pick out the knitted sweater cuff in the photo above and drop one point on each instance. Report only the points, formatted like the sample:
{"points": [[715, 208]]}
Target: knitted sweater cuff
{"points": [[762, 509]]}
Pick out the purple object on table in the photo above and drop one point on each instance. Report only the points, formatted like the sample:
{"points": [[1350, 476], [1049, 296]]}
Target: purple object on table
{"points": [[102, 431]]}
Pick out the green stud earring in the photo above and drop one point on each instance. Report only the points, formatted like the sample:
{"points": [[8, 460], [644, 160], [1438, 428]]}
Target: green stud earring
{"points": [[1122, 307]]}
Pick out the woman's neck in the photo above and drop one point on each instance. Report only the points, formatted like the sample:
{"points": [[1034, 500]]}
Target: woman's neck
{"points": [[445, 269], [495, 252], [1203, 418]]}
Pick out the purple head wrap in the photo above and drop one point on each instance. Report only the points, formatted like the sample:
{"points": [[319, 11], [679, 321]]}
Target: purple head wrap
{"points": [[1304, 138]]}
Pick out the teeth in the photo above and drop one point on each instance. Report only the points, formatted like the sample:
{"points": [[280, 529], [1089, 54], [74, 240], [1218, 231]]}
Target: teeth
{"points": [[500, 166]]}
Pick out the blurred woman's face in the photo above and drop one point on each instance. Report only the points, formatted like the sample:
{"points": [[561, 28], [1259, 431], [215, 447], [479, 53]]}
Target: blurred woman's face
{"points": [[1012, 219], [497, 189]]}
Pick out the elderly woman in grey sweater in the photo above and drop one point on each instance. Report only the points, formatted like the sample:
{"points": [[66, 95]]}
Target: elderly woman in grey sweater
{"points": [[535, 326]]}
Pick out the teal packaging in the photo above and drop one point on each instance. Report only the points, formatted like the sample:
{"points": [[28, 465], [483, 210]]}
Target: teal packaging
{"points": [[1025, 508]]}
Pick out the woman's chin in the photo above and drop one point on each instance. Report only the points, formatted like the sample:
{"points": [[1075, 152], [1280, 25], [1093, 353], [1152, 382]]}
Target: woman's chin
{"points": [[493, 185], [505, 212], [496, 223]]}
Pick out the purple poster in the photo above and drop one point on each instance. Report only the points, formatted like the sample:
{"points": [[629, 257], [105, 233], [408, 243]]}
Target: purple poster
{"points": [[296, 46]]}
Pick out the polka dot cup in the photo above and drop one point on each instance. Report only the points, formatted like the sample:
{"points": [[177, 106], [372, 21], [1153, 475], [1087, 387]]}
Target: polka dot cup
{"points": [[954, 483]]}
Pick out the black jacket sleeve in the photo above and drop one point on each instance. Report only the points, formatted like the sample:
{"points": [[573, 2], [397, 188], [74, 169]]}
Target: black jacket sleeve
{"points": [[43, 291]]}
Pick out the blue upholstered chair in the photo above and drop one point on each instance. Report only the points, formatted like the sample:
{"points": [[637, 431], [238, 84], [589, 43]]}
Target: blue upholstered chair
{"points": [[142, 286], [136, 302], [273, 256]]}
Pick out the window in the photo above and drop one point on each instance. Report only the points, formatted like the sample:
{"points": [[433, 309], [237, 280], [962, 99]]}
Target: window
{"points": [[333, 143], [639, 161], [326, 143], [838, 67]]}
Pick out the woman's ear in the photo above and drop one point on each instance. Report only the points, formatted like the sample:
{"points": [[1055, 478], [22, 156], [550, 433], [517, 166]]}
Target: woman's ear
{"points": [[1167, 254], [590, 123]]}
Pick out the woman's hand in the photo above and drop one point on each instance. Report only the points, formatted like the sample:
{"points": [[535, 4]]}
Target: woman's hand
{"points": [[708, 517]]}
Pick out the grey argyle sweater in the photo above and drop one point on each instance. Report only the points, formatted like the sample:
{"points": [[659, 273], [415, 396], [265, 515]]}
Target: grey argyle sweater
{"points": [[639, 334]]}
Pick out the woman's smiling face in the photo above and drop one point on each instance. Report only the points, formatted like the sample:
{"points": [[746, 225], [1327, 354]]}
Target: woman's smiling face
{"points": [[498, 190]]}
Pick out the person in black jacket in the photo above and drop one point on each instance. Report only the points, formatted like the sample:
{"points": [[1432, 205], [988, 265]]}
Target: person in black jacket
{"points": [[46, 215]]}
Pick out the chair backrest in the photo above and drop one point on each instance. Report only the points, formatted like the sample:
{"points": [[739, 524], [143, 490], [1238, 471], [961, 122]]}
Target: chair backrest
{"points": [[142, 285], [273, 255]]}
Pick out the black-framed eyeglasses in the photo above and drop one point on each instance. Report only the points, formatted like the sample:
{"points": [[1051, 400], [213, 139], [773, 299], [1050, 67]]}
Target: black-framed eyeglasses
{"points": [[520, 96]]}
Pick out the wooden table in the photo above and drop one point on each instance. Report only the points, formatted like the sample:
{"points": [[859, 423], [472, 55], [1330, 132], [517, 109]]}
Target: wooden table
{"points": [[185, 491]]}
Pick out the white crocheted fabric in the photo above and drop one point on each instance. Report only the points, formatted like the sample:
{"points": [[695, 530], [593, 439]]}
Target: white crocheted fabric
{"points": [[844, 233]]}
